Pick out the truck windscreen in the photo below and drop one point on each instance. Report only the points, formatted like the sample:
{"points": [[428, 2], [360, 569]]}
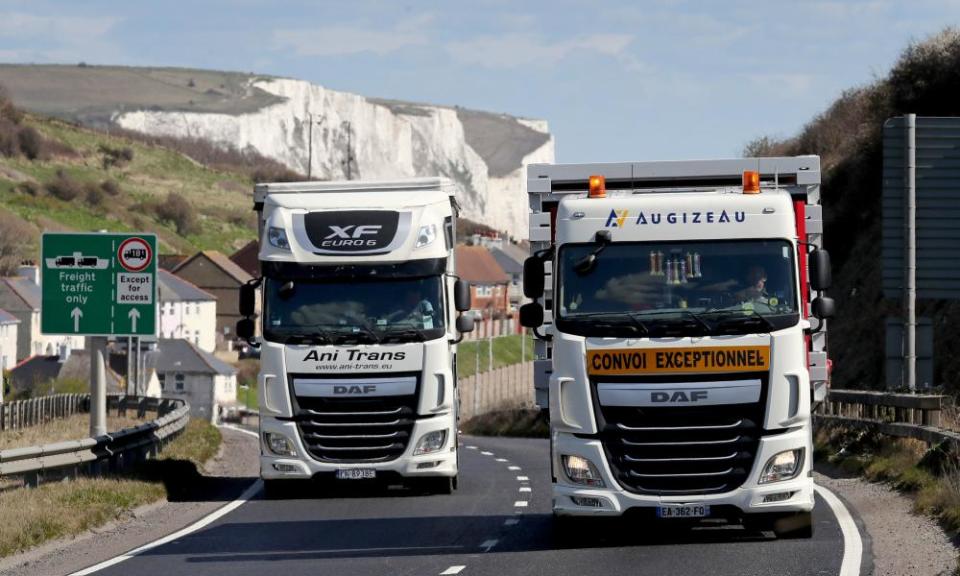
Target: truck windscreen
{"points": [[677, 288], [349, 311]]}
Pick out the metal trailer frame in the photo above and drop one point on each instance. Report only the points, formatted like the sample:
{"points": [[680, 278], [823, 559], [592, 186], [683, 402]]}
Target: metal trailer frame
{"points": [[548, 183]]}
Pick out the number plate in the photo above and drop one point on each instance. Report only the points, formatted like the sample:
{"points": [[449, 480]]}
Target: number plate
{"points": [[356, 474], [688, 511]]}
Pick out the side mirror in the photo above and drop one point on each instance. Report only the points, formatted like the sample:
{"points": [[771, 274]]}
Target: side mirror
{"points": [[533, 277], [823, 308], [820, 275], [245, 329], [464, 324], [461, 297], [248, 299], [531, 315]]}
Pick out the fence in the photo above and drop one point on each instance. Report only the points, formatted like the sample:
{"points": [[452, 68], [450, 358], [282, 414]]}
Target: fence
{"points": [[487, 327], [506, 387], [112, 451], [23, 413], [902, 415]]}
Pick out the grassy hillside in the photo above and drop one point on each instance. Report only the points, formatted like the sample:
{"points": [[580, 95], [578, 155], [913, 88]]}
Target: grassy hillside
{"points": [[55, 175], [847, 136]]}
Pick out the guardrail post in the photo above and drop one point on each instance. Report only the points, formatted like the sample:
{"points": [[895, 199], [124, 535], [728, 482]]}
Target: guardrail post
{"points": [[31, 479]]}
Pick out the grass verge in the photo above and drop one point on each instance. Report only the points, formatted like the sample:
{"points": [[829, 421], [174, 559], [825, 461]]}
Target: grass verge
{"points": [[474, 356], [60, 430], [32, 516], [519, 422]]}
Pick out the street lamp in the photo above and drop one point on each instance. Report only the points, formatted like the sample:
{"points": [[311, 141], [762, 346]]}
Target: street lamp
{"points": [[310, 141]]}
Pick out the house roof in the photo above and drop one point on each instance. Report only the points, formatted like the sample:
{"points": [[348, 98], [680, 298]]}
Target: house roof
{"points": [[175, 289], [507, 262], [8, 318], [177, 355], [475, 264], [38, 370], [170, 261], [222, 262], [248, 258], [28, 292]]}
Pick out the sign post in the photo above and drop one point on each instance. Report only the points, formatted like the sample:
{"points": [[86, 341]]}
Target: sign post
{"points": [[98, 285]]}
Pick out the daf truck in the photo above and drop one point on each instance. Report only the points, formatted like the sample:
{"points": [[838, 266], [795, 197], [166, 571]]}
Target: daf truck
{"points": [[360, 323], [681, 313]]}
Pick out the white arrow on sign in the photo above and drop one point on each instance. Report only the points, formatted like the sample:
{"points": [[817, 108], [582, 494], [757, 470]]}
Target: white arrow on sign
{"points": [[76, 314], [134, 315]]}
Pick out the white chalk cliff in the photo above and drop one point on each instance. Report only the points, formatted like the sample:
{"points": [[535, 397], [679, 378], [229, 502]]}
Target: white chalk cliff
{"points": [[485, 152]]}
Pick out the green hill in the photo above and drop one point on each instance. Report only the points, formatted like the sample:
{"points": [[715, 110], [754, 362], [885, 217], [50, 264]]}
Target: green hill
{"points": [[925, 81]]}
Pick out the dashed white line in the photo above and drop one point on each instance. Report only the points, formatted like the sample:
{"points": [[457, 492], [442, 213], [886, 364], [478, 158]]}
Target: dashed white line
{"points": [[511, 522], [520, 504], [513, 468], [452, 570], [524, 488], [487, 545], [470, 448], [522, 479], [502, 460], [852, 545], [485, 453]]}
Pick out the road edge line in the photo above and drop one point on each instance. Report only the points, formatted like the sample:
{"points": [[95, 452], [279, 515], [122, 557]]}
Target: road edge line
{"points": [[852, 543], [247, 495]]}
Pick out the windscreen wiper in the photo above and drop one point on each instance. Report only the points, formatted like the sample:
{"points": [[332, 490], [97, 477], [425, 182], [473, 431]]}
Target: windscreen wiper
{"points": [[403, 334], [743, 316], [613, 319], [320, 338], [688, 313]]}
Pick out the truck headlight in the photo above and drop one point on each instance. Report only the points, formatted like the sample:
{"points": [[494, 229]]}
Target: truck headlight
{"points": [[581, 471], [279, 444], [782, 466], [278, 238], [431, 442], [426, 235]]}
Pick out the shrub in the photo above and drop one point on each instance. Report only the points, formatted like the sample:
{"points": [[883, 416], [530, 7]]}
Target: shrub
{"points": [[30, 188], [31, 142], [64, 187], [178, 210], [115, 157], [8, 111], [17, 242], [94, 194], [110, 187]]}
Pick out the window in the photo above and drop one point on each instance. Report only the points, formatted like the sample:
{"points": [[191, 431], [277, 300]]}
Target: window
{"points": [[186, 309], [179, 378], [196, 337], [163, 380], [484, 291]]}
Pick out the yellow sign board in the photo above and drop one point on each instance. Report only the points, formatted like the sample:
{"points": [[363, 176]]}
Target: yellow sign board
{"points": [[707, 360]]}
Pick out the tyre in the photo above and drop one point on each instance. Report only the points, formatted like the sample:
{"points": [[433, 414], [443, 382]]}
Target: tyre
{"points": [[276, 489], [793, 526], [443, 485]]}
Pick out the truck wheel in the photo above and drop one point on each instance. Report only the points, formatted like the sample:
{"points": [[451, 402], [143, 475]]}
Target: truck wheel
{"points": [[277, 489], [799, 525], [442, 485]]}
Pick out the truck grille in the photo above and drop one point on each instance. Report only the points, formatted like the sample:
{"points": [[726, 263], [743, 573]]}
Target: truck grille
{"points": [[352, 430], [681, 450]]}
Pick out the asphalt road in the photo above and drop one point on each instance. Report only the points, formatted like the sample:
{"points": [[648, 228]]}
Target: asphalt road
{"points": [[498, 523]]}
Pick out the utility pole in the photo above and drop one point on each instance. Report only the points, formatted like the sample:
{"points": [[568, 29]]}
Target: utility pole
{"points": [[310, 141]]}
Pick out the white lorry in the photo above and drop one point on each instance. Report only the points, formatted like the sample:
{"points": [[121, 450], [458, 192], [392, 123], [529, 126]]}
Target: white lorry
{"points": [[681, 313], [360, 325]]}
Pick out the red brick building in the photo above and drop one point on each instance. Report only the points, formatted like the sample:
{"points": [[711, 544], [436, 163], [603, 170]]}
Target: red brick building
{"points": [[490, 285]]}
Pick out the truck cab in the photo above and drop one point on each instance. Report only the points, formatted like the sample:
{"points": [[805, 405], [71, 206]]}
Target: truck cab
{"points": [[360, 320], [682, 336]]}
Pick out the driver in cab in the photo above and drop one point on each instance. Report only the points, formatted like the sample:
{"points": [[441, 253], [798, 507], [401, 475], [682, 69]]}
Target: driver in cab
{"points": [[755, 291]]}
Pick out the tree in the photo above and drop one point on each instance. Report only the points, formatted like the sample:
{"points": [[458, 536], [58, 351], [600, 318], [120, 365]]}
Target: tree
{"points": [[18, 241]]}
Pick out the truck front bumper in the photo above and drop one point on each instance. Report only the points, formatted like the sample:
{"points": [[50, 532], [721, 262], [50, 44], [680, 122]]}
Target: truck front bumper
{"points": [[748, 498], [303, 466]]}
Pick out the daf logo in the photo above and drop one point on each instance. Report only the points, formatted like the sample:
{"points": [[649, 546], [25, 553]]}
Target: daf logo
{"points": [[678, 397], [354, 389], [358, 231]]}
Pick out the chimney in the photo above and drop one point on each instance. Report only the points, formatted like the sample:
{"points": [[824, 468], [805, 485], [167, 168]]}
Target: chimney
{"points": [[29, 270], [63, 352]]}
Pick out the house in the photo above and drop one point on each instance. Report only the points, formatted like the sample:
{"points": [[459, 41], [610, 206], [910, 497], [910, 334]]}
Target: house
{"points": [[489, 284], [186, 311], [37, 373], [510, 257], [8, 342], [170, 261], [179, 369], [248, 258], [213, 272], [20, 296]]}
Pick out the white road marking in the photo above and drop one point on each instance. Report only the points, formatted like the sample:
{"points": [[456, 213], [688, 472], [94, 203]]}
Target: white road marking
{"points": [[852, 545], [524, 488], [522, 479], [513, 468], [488, 545], [470, 448], [502, 460], [452, 570], [248, 494], [485, 453], [520, 504], [511, 522]]}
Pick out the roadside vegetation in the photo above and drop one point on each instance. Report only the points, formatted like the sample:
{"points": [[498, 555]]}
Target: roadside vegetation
{"points": [[474, 356], [54, 510], [61, 429], [519, 422], [931, 476], [247, 370]]}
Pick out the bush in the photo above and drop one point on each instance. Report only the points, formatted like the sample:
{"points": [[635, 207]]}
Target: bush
{"points": [[64, 187], [115, 157], [31, 142], [17, 242], [110, 187], [8, 111], [178, 211], [94, 195], [29, 188]]}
